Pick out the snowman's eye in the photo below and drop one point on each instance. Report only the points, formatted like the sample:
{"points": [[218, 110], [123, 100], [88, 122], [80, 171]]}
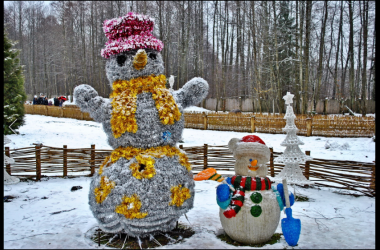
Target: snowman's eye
{"points": [[121, 59], [153, 56]]}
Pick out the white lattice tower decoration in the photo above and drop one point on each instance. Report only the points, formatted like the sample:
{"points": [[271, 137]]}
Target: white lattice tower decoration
{"points": [[292, 155]]}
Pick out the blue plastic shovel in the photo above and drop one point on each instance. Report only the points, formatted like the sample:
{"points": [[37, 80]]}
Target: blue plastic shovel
{"points": [[291, 227]]}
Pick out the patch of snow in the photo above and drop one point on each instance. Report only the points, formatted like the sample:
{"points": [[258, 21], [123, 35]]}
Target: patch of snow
{"points": [[329, 220], [196, 109]]}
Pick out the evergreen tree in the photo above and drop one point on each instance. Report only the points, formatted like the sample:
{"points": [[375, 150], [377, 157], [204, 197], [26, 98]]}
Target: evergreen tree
{"points": [[286, 45], [14, 93]]}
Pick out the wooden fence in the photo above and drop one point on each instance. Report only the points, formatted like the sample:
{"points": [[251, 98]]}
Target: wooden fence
{"points": [[317, 125], [39, 161]]}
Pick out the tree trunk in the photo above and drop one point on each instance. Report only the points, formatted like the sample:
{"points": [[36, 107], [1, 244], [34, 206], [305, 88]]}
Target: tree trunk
{"points": [[305, 97], [365, 41], [336, 87], [321, 47], [351, 53]]}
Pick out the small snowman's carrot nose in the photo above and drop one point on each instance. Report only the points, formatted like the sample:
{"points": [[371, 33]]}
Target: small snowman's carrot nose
{"points": [[253, 163], [140, 59]]}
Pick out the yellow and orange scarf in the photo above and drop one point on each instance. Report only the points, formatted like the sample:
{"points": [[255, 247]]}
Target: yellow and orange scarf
{"points": [[124, 102]]}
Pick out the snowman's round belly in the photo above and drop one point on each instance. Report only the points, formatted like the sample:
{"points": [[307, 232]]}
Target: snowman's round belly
{"points": [[123, 198], [249, 225]]}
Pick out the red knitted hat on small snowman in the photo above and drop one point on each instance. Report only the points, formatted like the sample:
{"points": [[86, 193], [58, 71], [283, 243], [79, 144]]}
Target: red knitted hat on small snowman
{"points": [[250, 145], [129, 32]]}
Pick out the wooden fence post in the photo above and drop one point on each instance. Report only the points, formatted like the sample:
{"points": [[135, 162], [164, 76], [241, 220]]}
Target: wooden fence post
{"points": [[204, 121], [8, 167], [253, 124], [64, 160], [271, 162], [307, 166], [38, 162], [205, 146], [309, 126], [92, 159], [372, 185], [374, 127]]}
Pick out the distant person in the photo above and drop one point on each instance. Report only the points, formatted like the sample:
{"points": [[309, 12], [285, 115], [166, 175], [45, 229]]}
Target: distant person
{"points": [[50, 103], [56, 101], [46, 101], [41, 100], [62, 99], [35, 100]]}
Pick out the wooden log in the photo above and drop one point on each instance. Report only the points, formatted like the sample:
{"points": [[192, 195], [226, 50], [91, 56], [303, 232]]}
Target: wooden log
{"points": [[372, 185], [271, 163], [205, 147], [64, 160], [204, 121], [8, 166], [38, 162], [92, 159], [253, 124], [309, 127], [307, 166], [374, 127]]}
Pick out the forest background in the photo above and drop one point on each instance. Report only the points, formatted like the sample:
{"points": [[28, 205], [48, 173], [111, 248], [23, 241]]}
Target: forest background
{"points": [[244, 49]]}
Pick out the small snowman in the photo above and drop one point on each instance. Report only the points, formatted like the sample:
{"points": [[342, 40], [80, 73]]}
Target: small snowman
{"points": [[249, 206]]}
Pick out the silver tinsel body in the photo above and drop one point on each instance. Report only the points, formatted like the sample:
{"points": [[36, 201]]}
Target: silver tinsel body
{"points": [[154, 193]]}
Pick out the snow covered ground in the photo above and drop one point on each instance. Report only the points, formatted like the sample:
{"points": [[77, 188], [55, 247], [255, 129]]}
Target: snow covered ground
{"points": [[329, 220], [52, 131]]}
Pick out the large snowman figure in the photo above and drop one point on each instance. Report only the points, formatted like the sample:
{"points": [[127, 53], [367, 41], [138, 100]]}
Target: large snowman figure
{"points": [[249, 208], [146, 183]]}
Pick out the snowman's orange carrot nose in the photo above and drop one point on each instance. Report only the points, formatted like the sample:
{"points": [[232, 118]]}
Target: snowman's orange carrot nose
{"points": [[140, 59], [253, 163]]}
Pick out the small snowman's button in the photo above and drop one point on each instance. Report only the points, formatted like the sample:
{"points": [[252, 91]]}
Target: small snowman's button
{"points": [[256, 197], [256, 210]]}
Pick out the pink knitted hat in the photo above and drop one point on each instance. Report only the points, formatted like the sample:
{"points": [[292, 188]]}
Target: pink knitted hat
{"points": [[132, 31]]}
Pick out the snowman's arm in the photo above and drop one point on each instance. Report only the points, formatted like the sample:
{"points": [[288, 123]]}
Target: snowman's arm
{"points": [[192, 93], [280, 190], [87, 99]]}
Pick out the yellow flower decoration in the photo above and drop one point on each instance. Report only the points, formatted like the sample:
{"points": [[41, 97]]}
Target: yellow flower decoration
{"points": [[179, 195], [147, 172], [104, 189], [130, 207], [184, 161], [107, 161], [124, 98]]}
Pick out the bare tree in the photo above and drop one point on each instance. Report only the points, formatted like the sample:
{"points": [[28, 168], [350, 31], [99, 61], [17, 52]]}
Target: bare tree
{"points": [[316, 91]]}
